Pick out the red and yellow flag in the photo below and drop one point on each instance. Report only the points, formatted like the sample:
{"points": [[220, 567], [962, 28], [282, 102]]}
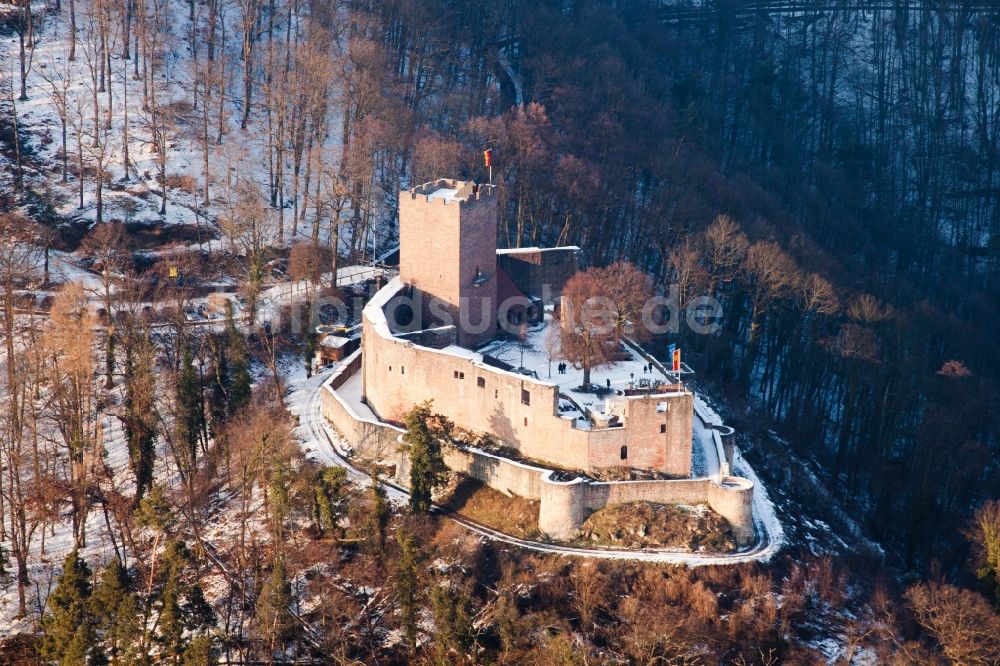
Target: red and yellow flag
{"points": [[677, 360], [488, 157]]}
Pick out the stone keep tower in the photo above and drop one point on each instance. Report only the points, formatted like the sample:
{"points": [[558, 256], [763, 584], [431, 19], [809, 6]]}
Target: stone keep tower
{"points": [[447, 241]]}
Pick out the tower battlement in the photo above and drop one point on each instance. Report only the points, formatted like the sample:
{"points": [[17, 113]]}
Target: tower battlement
{"points": [[445, 191]]}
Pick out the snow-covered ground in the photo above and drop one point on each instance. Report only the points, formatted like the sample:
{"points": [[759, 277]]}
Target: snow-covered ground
{"points": [[45, 564], [533, 354], [319, 440], [287, 292], [52, 75], [57, 87]]}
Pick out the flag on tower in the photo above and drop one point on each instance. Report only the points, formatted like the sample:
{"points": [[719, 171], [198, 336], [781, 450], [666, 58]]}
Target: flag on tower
{"points": [[488, 157], [677, 360]]}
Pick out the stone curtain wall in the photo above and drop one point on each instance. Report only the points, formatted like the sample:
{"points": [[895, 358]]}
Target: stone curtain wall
{"points": [[507, 476], [348, 368], [371, 439], [519, 411], [648, 447], [400, 374], [563, 505]]}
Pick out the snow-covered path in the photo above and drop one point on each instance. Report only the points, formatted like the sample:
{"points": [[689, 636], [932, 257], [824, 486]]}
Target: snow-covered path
{"points": [[709, 456]]}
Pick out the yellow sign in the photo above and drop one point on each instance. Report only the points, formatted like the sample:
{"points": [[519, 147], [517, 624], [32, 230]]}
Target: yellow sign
{"points": [[173, 271]]}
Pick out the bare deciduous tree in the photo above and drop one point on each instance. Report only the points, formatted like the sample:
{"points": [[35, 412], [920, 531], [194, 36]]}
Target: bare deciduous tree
{"points": [[961, 621], [251, 230], [73, 403], [628, 290], [587, 323]]}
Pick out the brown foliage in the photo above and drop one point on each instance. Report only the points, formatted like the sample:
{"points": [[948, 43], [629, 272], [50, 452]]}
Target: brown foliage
{"points": [[588, 323], [725, 247], [688, 273], [590, 592], [868, 309], [184, 182], [628, 291], [434, 157], [818, 295], [964, 625], [983, 533], [770, 272], [304, 261], [954, 370]]}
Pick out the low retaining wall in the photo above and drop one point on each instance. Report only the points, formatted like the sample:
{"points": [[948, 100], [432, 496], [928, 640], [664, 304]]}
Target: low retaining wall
{"points": [[563, 505], [370, 438], [570, 503], [348, 368], [508, 476]]}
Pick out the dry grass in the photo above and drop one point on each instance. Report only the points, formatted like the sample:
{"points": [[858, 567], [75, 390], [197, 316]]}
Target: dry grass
{"points": [[649, 525], [512, 515], [183, 182]]}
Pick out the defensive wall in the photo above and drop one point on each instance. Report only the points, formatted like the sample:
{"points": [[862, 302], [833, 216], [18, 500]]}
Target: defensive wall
{"points": [[373, 438], [654, 431], [563, 505], [418, 332]]}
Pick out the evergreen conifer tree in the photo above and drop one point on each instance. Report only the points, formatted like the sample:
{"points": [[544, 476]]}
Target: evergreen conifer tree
{"points": [[117, 615], [184, 612], [328, 486], [406, 587], [452, 610], [170, 626], [109, 359], [378, 519], [190, 411], [274, 606], [309, 350], [201, 651], [154, 511], [422, 440], [68, 625], [240, 382], [221, 386], [139, 418], [200, 614]]}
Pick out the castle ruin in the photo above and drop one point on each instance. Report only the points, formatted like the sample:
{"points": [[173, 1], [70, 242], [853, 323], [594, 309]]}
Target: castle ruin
{"points": [[422, 338]]}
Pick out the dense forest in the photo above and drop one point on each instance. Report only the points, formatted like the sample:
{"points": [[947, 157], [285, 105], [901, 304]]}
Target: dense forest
{"points": [[828, 171]]}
